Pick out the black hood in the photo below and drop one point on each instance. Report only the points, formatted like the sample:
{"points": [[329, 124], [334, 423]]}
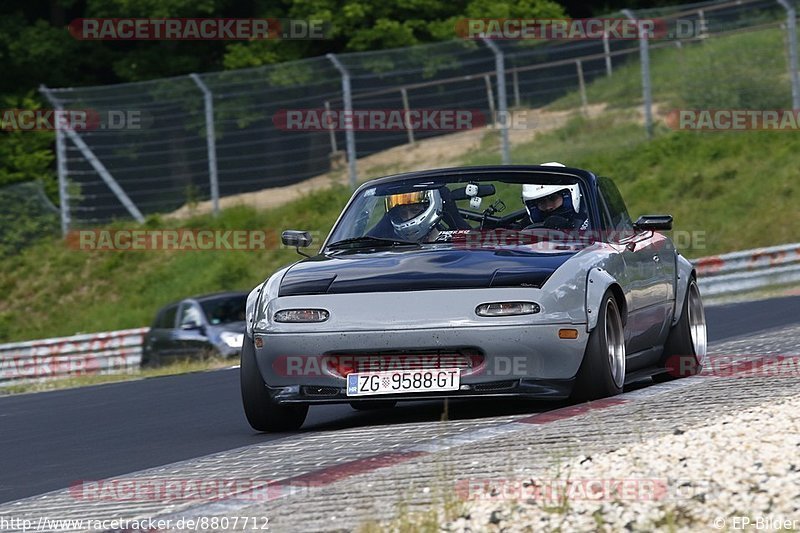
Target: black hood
{"points": [[416, 269]]}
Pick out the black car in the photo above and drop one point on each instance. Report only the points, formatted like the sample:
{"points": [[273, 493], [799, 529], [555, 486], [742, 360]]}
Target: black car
{"points": [[211, 325]]}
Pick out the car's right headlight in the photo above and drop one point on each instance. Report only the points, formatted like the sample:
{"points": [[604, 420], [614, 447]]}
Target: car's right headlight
{"points": [[258, 300]]}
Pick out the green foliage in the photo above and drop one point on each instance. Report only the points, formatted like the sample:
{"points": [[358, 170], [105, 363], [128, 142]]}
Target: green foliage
{"points": [[26, 216], [745, 71]]}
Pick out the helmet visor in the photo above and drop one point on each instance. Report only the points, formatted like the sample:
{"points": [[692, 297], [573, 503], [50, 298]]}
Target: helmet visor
{"points": [[405, 206]]}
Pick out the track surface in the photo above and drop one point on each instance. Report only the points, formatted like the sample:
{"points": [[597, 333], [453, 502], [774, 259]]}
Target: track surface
{"points": [[53, 439]]}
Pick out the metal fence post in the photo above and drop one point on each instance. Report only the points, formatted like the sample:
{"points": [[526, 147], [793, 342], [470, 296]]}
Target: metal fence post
{"points": [[791, 29], [582, 87], [211, 141], [61, 166], [97, 165], [607, 52], [348, 110], [515, 78], [331, 131], [407, 120], [502, 101], [490, 97], [647, 96]]}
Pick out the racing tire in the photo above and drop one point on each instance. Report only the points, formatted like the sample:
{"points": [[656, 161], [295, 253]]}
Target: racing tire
{"points": [[262, 412], [602, 371], [371, 405], [685, 348]]}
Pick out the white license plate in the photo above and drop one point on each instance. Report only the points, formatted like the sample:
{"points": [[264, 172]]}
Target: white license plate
{"points": [[399, 381]]}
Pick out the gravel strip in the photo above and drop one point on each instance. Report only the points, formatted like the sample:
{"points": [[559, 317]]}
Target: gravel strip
{"points": [[744, 466]]}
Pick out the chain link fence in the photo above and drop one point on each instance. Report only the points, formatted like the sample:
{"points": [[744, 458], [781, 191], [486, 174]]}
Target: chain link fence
{"points": [[202, 137], [26, 215]]}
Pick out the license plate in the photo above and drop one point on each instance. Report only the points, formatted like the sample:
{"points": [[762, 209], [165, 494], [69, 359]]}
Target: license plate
{"points": [[399, 381]]}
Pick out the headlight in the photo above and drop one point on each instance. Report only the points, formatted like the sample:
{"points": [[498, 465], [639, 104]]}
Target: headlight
{"points": [[507, 309], [232, 339], [301, 315], [258, 302]]}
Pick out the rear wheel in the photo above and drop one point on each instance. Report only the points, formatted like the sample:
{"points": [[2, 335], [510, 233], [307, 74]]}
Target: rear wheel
{"points": [[685, 349], [602, 372], [262, 412]]}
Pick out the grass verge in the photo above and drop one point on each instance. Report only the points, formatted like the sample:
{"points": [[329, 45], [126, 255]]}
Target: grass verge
{"points": [[178, 367]]}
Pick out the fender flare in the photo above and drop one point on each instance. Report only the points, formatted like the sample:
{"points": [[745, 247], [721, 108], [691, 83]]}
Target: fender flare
{"points": [[684, 271], [598, 281]]}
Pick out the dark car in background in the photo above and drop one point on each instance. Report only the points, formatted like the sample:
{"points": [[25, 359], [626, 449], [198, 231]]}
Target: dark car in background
{"points": [[202, 326]]}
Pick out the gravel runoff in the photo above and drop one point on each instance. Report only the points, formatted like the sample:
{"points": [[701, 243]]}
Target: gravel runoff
{"points": [[739, 472]]}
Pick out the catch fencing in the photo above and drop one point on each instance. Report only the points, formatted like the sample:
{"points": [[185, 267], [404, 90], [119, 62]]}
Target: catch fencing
{"points": [[202, 137]]}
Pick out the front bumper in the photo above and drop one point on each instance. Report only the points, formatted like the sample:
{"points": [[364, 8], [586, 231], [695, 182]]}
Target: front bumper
{"points": [[529, 360]]}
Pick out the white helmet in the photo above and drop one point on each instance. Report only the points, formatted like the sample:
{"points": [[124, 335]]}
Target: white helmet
{"points": [[532, 191], [414, 214]]}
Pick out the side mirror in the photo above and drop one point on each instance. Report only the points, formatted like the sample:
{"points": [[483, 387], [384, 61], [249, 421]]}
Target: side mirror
{"points": [[298, 239], [191, 325], [654, 223]]}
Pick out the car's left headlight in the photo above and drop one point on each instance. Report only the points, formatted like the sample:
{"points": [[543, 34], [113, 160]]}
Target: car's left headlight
{"points": [[232, 339]]}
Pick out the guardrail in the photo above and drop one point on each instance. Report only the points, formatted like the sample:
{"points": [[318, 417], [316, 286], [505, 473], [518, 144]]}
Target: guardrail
{"points": [[111, 352], [748, 269]]}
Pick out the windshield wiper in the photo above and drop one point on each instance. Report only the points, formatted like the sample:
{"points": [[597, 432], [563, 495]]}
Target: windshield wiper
{"points": [[366, 240]]}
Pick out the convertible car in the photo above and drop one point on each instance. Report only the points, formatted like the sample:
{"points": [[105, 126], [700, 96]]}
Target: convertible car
{"points": [[497, 281]]}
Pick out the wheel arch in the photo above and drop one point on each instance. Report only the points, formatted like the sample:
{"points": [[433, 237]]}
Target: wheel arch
{"points": [[598, 282], [684, 273]]}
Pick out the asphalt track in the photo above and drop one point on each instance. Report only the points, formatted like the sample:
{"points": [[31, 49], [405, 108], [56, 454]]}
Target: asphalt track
{"points": [[52, 439]]}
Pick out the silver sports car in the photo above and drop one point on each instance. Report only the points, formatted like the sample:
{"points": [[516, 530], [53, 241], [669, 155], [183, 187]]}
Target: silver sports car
{"points": [[472, 282]]}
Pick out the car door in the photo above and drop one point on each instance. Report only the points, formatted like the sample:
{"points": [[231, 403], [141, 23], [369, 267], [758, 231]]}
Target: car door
{"points": [[644, 279], [191, 332], [160, 340]]}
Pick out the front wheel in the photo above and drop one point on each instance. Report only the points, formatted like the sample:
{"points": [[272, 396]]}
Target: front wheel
{"points": [[262, 412], [686, 346], [602, 372]]}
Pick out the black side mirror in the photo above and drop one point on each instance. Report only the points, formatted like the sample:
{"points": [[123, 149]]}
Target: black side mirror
{"points": [[654, 223], [298, 239]]}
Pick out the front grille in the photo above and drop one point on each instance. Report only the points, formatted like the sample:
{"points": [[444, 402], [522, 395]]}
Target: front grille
{"points": [[320, 391], [495, 386], [464, 358]]}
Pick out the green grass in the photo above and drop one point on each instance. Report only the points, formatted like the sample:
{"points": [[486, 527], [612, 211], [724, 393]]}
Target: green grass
{"points": [[50, 290], [747, 70], [739, 190], [178, 367]]}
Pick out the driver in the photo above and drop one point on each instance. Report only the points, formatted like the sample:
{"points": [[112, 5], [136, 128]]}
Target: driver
{"points": [[414, 215], [552, 206]]}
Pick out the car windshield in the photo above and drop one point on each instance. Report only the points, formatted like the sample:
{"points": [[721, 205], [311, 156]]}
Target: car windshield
{"points": [[432, 211], [224, 310]]}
